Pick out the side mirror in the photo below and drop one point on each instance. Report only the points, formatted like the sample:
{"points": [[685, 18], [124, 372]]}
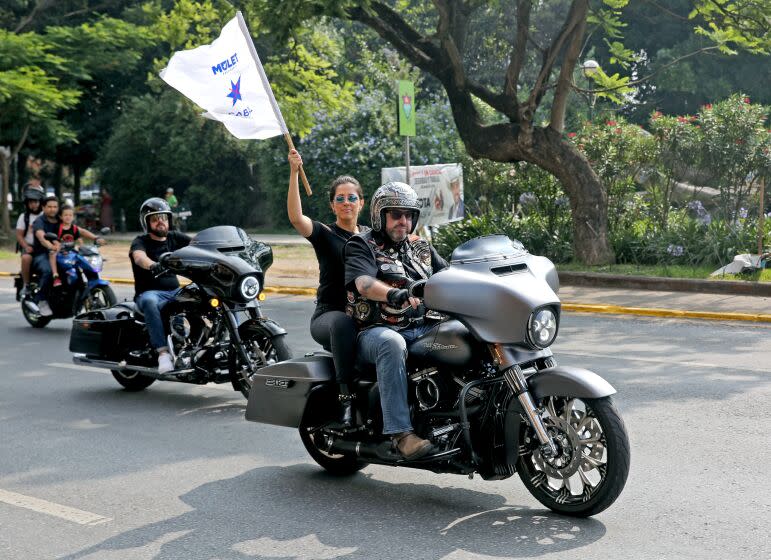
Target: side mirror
{"points": [[105, 231], [51, 236]]}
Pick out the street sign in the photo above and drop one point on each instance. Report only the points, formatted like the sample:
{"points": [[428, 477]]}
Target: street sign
{"points": [[439, 188], [406, 108]]}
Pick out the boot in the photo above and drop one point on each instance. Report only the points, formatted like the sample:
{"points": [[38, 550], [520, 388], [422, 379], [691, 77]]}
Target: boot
{"points": [[410, 446], [346, 403]]}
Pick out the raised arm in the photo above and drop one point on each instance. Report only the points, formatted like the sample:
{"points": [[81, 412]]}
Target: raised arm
{"points": [[294, 208]]}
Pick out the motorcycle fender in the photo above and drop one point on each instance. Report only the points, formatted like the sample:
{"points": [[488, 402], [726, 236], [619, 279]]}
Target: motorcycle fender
{"points": [[280, 392], [566, 381], [561, 381], [264, 326]]}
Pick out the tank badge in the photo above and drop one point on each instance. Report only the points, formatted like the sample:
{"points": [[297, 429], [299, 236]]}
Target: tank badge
{"points": [[434, 346], [385, 267]]}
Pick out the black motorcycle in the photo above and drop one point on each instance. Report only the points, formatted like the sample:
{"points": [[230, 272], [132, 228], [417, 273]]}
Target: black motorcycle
{"points": [[215, 328], [484, 387]]}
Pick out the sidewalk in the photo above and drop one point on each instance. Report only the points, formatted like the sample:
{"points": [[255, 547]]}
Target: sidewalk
{"points": [[609, 294]]}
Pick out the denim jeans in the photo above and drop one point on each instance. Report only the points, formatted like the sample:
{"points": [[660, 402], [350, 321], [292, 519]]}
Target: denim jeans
{"points": [[387, 349], [42, 266], [150, 303]]}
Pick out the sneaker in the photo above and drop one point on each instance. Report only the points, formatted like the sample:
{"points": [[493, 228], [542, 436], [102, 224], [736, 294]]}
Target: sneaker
{"points": [[165, 364], [45, 309], [411, 447], [57, 282]]}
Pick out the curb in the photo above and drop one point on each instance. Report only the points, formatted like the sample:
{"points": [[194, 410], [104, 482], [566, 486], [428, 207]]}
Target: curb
{"points": [[566, 306]]}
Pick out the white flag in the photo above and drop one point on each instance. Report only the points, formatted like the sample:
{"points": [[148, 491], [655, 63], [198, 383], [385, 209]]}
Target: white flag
{"points": [[227, 79]]}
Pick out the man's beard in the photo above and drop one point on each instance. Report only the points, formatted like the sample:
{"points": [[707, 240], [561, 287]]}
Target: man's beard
{"points": [[158, 233]]}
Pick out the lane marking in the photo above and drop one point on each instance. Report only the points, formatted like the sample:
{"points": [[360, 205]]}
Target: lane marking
{"points": [[50, 508]]}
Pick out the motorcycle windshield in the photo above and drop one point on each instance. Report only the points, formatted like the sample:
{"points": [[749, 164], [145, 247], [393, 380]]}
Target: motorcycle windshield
{"points": [[494, 292]]}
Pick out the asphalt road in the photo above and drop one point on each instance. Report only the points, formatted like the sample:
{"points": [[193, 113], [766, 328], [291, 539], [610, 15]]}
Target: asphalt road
{"points": [[88, 470]]}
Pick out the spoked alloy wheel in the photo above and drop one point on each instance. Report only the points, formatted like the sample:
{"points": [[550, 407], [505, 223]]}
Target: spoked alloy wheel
{"points": [[592, 461], [263, 351]]}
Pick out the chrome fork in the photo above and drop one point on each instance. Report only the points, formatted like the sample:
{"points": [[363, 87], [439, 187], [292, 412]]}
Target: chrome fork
{"points": [[518, 385]]}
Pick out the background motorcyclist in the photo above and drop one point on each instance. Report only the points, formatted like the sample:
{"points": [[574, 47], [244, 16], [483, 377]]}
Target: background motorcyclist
{"points": [[25, 238], [47, 223], [68, 232], [154, 287], [379, 267]]}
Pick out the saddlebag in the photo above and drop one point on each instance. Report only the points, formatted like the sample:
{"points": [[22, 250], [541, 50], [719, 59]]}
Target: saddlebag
{"points": [[280, 392], [106, 333]]}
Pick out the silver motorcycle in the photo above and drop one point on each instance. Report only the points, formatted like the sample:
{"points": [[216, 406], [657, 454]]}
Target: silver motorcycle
{"points": [[484, 387]]}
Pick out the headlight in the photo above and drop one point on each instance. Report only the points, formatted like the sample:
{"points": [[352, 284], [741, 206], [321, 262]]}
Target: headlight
{"points": [[249, 287], [95, 261], [542, 327]]}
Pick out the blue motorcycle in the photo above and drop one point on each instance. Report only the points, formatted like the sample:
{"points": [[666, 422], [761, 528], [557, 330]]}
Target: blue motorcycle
{"points": [[81, 290]]}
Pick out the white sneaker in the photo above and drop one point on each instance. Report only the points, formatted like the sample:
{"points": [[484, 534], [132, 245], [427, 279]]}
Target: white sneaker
{"points": [[45, 309], [165, 364]]}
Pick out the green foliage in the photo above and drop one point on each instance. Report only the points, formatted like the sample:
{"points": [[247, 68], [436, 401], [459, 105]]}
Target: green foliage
{"points": [[208, 169]]}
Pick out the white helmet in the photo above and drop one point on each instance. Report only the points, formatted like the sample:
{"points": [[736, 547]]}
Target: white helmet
{"points": [[393, 195]]}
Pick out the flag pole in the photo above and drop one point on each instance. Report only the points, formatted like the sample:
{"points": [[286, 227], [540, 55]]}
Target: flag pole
{"points": [[271, 98]]}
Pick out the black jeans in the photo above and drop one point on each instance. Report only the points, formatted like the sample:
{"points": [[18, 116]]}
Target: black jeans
{"points": [[336, 332]]}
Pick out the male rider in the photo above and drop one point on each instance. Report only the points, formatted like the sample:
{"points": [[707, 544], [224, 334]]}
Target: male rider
{"points": [[25, 236], [154, 287], [47, 223], [379, 267]]}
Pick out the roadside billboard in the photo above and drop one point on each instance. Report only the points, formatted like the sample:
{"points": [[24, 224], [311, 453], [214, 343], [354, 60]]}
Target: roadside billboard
{"points": [[439, 188]]}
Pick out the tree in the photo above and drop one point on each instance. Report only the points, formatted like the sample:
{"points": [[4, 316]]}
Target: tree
{"points": [[522, 94], [31, 98]]}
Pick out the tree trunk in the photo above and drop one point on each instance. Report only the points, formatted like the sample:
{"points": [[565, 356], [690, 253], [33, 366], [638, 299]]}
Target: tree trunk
{"points": [[76, 182], [6, 171], [588, 199]]}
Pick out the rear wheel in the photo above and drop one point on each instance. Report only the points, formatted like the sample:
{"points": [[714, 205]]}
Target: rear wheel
{"points": [[592, 463], [34, 319], [263, 351], [132, 380], [339, 465]]}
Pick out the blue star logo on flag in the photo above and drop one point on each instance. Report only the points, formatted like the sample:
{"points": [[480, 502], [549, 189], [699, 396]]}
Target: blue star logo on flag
{"points": [[235, 91]]}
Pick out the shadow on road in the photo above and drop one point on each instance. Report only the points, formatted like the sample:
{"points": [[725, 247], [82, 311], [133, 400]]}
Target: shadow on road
{"points": [[299, 512]]}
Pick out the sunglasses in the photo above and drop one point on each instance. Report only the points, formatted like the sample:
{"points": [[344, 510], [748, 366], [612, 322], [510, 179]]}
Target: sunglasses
{"points": [[351, 198], [397, 214]]}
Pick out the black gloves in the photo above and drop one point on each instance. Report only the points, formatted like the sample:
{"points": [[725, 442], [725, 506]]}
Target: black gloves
{"points": [[157, 269], [397, 297]]}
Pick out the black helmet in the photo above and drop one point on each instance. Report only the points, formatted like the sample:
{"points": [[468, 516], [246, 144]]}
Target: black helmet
{"points": [[33, 192], [153, 206], [393, 195]]}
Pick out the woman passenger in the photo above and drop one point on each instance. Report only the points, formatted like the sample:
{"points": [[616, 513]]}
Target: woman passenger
{"points": [[330, 326]]}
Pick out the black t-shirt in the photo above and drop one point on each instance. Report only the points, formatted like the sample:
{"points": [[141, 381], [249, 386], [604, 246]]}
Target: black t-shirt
{"points": [[143, 279], [328, 241], [68, 235], [360, 261], [43, 224]]}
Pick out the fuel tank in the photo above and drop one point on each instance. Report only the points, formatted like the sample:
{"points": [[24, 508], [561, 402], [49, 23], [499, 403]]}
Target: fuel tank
{"points": [[448, 343]]}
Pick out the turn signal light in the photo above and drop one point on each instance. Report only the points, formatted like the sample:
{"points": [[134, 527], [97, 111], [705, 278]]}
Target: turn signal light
{"points": [[214, 302], [261, 297]]}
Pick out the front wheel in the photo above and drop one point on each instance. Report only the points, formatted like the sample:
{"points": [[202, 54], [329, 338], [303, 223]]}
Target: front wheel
{"points": [[132, 380], [99, 298], [263, 351], [592, 462]]}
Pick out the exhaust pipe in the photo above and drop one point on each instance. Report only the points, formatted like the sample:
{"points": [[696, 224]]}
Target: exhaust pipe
{"points": [[82, 360], [367, 451]]}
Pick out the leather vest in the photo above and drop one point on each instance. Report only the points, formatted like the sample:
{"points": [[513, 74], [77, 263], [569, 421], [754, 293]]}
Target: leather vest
{"points": [[390, 259]]}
